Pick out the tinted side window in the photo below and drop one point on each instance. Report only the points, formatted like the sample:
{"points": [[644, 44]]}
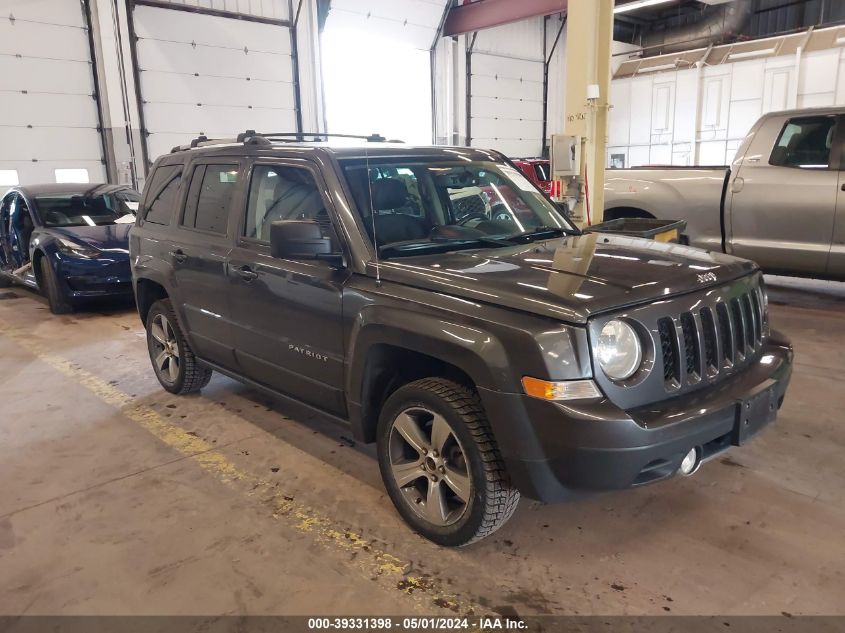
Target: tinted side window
{"points": [[160, 194], [281, 193], [160, 210], [210, 198], [805, 142]]}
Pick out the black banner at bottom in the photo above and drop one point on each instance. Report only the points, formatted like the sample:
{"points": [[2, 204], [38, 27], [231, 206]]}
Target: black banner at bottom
{"points": [[402, 624]]}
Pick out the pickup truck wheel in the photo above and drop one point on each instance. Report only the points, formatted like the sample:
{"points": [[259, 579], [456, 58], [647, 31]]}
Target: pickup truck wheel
{"points": [[175, 365], [440, 463], [59, 303]]}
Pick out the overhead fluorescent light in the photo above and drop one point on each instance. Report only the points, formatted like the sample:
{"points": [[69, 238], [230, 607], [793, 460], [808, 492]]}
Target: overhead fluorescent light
{"points": [[654, 69], [638, 4], [747, 54]]}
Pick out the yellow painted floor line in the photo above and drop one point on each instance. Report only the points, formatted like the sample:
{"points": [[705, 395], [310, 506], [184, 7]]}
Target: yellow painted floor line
{"points": [[371, 562]]}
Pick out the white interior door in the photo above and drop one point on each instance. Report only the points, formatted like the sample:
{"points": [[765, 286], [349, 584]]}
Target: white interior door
{"points": [[50, 125], [211, 75], [507, 104]]}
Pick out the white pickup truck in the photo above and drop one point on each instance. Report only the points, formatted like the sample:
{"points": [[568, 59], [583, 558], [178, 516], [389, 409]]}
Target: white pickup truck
{"points": [[780, 203]]}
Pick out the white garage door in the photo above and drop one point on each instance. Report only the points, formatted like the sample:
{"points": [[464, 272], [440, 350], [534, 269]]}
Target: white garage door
{"points": [[49, 124], [507, 104], [211, 75]]}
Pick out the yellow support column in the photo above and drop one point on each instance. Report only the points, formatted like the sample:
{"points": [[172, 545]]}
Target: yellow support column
{"points": [[589, 38]]}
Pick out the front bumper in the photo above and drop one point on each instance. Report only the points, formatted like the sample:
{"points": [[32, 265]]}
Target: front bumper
{"points": [[98, 277], [556, 451]]}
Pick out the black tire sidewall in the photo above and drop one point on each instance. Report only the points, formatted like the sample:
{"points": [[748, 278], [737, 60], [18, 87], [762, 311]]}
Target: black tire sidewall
{"points": [[59, 304], [164, 307], [465, 529]]}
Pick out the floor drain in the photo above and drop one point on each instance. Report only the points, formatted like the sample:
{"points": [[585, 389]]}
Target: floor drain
{"points": [[9, 295]]}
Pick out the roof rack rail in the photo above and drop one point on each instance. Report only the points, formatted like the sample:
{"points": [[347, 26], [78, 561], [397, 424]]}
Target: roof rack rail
{"points": [[266, 138], [316, 136]]}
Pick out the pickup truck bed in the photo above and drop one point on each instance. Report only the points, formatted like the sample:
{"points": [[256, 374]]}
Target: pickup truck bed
{"points": [[781, 202], [693, 194]]}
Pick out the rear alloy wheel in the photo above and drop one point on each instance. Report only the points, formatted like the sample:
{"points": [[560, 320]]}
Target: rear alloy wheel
{"points": [[175, 365], [59, 303], [440, 463]]}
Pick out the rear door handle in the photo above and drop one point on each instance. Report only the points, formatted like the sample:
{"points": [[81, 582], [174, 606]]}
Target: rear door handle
{"points": [[178, 255], [843, 186], [247, 273]]}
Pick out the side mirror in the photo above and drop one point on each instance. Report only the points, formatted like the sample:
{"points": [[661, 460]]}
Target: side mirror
{"points": [[301, 239]]}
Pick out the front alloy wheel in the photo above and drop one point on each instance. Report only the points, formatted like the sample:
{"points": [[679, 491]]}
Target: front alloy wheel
{"points": [[440, 463], [428, 466]]}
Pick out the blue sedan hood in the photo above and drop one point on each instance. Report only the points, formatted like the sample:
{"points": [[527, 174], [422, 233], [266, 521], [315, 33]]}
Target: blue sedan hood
{"points": [[110, 237]]}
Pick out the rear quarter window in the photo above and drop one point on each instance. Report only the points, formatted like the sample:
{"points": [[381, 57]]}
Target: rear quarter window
{"points": [[161, 195]]}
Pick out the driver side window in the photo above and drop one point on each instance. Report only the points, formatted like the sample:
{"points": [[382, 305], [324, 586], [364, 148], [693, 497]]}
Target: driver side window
{"points": [[278, 192], [805, 143]]}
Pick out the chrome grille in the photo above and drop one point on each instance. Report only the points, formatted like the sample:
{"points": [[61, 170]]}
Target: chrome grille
{"points": [[693, 341], [669, 347], [698, 340]]}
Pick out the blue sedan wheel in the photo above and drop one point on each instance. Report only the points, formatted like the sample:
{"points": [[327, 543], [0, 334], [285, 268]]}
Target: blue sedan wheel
{"points": [[59, 303]]}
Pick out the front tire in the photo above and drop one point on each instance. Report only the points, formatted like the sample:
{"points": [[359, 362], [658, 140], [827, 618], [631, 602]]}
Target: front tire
{"points": [[59, 303], [441, 465], [175, 365]]}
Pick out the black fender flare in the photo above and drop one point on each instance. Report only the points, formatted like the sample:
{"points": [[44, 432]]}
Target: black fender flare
{"points": [[475, 352]]}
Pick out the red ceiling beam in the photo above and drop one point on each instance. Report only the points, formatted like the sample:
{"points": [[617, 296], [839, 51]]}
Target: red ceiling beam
{"points": [[484, 14]]}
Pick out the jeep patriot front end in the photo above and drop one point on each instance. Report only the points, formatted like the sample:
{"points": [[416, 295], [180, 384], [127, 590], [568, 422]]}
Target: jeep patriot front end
{"points": [[434, 300]]}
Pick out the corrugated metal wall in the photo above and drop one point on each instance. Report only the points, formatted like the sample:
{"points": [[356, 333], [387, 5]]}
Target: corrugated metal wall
{"points": [[780, 16]]}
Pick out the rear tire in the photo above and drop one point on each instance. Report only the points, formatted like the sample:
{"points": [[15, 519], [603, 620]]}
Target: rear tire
{"points": [[4, 282], [59, 303], [174, 363], [441, 465]]}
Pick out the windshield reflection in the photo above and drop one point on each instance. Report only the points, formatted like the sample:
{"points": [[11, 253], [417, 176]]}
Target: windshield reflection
{"points": [[417, 206]]}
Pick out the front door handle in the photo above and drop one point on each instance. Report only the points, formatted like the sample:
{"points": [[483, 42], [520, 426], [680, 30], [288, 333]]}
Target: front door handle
{"points": [[247, 273], [843, 186], [178, 255]]}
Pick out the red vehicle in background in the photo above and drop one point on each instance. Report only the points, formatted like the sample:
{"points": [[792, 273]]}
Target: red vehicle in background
{"points": [[537, 170]]}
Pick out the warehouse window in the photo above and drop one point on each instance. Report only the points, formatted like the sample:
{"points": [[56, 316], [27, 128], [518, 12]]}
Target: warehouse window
{"points": [[805, 143], [9, 177], [210, 198], [281, 193]]}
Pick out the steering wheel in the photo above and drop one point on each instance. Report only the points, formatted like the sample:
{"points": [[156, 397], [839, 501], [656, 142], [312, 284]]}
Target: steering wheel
{"points": [[57, 219], [501, 213], [472, 215]]}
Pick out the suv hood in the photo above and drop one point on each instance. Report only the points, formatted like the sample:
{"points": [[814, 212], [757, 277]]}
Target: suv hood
{"points": [[108, 237], [570, 278]]}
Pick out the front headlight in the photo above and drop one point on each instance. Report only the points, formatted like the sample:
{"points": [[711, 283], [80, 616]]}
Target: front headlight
{"points": [[75, 249], [619, 352]]}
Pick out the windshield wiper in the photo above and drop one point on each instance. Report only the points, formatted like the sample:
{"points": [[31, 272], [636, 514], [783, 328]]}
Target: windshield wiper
{"points": [[542, 232], [486, 241], [441, 246]]}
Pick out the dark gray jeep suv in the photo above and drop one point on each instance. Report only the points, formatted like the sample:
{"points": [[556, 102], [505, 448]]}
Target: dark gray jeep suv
{"points": [[437, 303]]}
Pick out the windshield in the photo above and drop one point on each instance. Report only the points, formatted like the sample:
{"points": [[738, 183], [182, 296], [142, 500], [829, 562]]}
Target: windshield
{"points": [[420, 205], [75, 209], [542, 171]]}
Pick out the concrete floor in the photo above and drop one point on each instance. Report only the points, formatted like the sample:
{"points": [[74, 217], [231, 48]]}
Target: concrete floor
{"points": [[118, 498]]}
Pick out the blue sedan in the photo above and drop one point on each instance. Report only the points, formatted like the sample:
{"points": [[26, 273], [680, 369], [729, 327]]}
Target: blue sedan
{"points": [[69, 241]]}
